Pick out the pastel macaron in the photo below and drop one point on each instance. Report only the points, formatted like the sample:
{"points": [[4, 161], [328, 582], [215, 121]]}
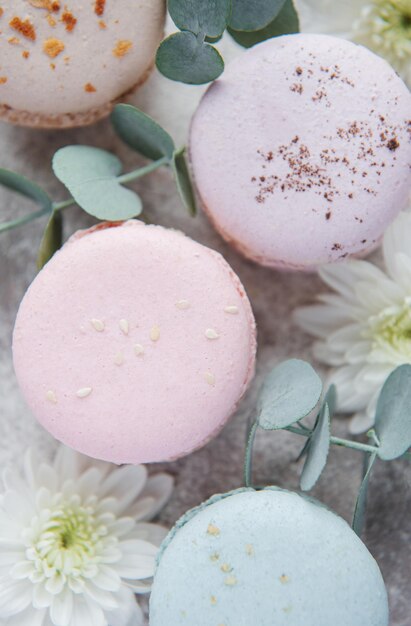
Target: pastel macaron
{"points": [[301, 152], [270, 558], [66, 64], [134, 343]]}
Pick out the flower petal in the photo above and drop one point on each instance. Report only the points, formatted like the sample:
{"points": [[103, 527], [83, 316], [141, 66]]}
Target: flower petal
{"points": [[138, 560], [320, 320], [15, 596], [107, 579], [153, 533], [21, 569], [61, 610], [29, 617], [128, 613], [328, 16], [343, 338], [17, 507], [160, 488], [325, 353], [360, 423], [87, 613], [348, 398], [89, 482], [67, 463], [397, 239], [125, 484], [41, 597], [105, 599], [47, 477]]}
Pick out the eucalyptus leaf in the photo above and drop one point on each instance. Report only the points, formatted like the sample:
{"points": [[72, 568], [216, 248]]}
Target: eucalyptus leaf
{"points": [[51, 240], [90, 176], [290, 392], [25, 187], [141, 132], [249, 15], [183, 181], [331, 399], [361, 504], [210, 17], [285, 23], [317, 451], [393, 414], [184, 57]]}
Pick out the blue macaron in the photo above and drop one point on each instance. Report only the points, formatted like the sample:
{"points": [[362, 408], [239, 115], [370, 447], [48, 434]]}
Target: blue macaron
{"points": [[266, 558]]}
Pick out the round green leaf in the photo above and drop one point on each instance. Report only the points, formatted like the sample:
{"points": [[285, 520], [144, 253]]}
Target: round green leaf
{"points": [[285, 23], [52, 239], [25, 187], [197, 16], [254, 14], [183, 181], [393, 414], [141, 132], [90, 176], [361, 504], [183, 57], [290, 392], [317, 451]]}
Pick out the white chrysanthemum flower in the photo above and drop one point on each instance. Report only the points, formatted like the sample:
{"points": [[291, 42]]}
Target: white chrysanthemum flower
{"points": [[74, 543], [384, 26], [364, 328]]}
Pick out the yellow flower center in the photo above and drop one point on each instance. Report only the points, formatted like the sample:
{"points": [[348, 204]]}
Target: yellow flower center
{"points": [[384, 26], [70, 538], [391, 335]]}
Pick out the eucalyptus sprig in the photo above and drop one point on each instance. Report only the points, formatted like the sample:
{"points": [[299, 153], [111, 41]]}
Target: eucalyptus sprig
{"points": [[95, 180], [293, 391], [188, 56]]}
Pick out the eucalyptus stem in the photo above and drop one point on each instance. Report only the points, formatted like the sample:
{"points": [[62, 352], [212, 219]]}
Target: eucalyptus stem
{"points": [[58, 206], [248, 459], [23, 220], [151, 167], [337, 441]]}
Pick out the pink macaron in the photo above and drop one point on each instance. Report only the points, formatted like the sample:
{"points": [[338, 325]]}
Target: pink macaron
{"points": [[301, 152], [134, 344]]}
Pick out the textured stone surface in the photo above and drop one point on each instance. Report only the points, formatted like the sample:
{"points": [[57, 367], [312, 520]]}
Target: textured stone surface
{"points": [[218, 466]]}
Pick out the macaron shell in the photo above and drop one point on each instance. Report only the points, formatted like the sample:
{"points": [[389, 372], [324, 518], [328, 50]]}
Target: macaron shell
{"points": [[301, 152], [77, 58], [270, 558], [124, 346]]}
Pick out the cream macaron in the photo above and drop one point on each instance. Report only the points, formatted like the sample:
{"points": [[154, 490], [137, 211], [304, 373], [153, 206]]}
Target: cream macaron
{"points": [[65, 64], [134, 343], [301, 152]]}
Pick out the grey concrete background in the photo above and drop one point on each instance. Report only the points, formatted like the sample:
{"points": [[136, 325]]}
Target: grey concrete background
{"points": [[218, 466]]}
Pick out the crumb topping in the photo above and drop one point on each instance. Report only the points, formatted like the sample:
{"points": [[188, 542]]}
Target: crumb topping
{"points": [[353, 160], [99, 7], [48, 5], [3, 80], [69, 20], [25, 54], [123, 46], [24, 27], [53, 47], [89, 88]]}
